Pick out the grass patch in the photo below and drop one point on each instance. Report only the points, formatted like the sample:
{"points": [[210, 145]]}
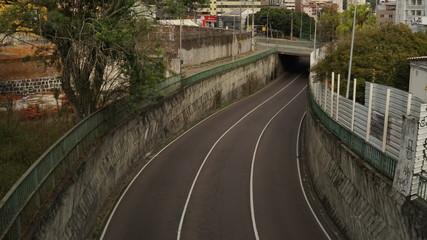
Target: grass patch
{"points": [[22, 141]]}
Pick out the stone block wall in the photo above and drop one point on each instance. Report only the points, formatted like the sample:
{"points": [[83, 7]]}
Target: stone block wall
{"points": [[30, 86], [75, 209], [360, 199]]}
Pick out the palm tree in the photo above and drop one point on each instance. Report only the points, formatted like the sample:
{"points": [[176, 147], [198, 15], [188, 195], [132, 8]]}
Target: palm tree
{"points": [[365, 19]]}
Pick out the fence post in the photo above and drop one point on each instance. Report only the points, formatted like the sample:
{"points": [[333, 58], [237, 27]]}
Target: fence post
{"points": [[408, 106], [338, 97], [387, 108], [368, 120], [354, 105], [332, 95], [326, 94]]}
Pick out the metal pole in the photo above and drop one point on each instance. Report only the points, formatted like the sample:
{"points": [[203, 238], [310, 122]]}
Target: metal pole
{"points": [[180, 45], [240, 18], [315, 36], [387, 108], [368, 121], [300, 27], [354, 105], [292, 25], [332, 94], [351, 50], [253, 26], [325, 94], [232, 41], [268, 11], [338, 97]]}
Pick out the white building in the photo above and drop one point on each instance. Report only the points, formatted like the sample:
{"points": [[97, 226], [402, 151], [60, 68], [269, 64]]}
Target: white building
{"points": [[218, 7], [412, 13], [418, 77]]}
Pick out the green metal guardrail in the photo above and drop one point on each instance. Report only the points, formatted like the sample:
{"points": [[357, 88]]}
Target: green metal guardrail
{"points": [[28, 195], [382, 162]]}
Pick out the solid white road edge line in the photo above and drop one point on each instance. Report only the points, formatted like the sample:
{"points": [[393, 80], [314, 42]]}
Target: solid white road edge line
{"points": [[253, 162], [300, 180], [213, 146]]}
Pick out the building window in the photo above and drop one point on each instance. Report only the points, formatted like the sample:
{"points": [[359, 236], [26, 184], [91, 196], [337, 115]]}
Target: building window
{"points": [[382, 15], [390, 16]]}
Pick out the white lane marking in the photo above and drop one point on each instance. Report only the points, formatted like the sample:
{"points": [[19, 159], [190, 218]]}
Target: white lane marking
{"points": [[210, 151], [300, 180], [157, 154], [253, 162]]}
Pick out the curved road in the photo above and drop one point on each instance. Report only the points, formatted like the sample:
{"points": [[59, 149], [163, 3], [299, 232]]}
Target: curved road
{"points": [[232, 176]]}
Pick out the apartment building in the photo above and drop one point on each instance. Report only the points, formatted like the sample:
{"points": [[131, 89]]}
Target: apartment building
{"points": [[385, 13], [218, 7], [412, 13], [312, 8]]}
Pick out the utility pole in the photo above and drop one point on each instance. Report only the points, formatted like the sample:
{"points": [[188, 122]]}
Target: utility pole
{"points": [[300, 25], [253, 26], [180, 45], [267, 24], [351, 51], [232, 41], [292, 25]]}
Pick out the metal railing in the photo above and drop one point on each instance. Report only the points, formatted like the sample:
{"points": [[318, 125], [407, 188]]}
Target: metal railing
{"points": [[38, 184], [379, 160]]}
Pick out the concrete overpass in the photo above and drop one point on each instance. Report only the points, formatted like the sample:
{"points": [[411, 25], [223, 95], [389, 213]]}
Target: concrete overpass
{"points": [[286, 47]]}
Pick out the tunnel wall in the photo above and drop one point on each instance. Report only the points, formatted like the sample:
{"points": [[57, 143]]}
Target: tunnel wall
{"points": [[104, 169], [361, 200]]}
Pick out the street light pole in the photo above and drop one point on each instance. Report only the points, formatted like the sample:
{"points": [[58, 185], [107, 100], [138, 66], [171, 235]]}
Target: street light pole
{"points": [[315, 33], [232, 41], [292, 25], [268, 11], [300, 26], [351, 50], [253, 26]]}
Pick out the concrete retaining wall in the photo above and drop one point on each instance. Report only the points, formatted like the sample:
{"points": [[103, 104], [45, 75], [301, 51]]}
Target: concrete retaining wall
{"points": [[201, 45], [101, 172], [361, 200]]}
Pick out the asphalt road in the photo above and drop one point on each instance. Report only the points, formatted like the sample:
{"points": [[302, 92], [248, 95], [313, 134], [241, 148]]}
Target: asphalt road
{"points": [[232, 176]]}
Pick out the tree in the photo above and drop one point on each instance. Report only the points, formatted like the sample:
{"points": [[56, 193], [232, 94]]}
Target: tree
{"points": [[281, 19], [169, 9], [329, 20], [94, 39], [380, 55], [365, 19]]}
